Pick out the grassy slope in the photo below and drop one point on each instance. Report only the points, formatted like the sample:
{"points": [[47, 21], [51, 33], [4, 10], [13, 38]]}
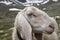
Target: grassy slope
{"points": [[7, 20]]}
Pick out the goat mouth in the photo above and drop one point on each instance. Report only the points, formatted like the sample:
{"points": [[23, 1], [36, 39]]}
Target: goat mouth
{"points": [[38, 36]]}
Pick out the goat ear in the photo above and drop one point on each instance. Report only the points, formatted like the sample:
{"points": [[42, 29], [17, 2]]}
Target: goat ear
{"points": [[26, 30]]}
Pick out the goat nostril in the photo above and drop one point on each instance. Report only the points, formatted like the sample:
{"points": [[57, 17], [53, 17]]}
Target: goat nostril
{"points": [[51, 26]]}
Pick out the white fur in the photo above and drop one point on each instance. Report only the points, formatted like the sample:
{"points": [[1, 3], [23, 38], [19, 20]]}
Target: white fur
{"points": [[23, 24]]}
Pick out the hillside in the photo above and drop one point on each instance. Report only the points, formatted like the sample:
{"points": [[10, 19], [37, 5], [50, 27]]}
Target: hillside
{"points": [[7, 17]]}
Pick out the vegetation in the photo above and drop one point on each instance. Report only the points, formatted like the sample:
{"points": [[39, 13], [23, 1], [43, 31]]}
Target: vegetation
{"points": [[7, 20]]}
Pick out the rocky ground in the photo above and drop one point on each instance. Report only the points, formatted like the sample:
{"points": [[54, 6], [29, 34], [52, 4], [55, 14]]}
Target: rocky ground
{"points": [[7, 19]]}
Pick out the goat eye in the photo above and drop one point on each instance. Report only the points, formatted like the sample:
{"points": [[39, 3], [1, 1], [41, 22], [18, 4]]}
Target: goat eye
{"points": [[31, 14], [34, 15]]}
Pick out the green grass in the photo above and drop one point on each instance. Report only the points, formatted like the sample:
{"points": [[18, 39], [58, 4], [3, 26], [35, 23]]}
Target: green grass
{"points": [[7, 20]]}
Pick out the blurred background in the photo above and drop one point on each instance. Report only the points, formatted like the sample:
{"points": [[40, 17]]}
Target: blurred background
{"points": [[9, 9]]}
